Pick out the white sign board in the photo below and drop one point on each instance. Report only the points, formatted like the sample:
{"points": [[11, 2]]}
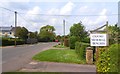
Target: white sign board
{"points": [[99, 40]]}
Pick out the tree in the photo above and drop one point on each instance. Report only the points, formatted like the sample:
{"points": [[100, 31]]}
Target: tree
{"points": [[78, 30], [21, 32], [47, 28], [47, 33], [33, 34], [114, 33]]}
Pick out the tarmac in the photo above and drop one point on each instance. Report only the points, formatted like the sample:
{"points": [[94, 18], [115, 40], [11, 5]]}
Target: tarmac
{"points": [[57, 67]]}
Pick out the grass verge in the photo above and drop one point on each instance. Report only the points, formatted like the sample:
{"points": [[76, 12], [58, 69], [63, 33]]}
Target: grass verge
{"points": [[55, 55]]}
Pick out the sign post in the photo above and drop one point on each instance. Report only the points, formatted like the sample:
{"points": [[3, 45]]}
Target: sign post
{"points": [[99, 38]]}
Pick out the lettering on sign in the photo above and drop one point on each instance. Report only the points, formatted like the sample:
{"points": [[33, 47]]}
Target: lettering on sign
{"points": [[99, 40]]}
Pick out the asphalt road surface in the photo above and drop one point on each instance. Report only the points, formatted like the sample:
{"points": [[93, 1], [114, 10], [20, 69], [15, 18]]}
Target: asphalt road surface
{"points": [[14, 58]]}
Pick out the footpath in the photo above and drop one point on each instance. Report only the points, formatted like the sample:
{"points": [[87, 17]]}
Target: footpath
{"points": [[57, 67]]}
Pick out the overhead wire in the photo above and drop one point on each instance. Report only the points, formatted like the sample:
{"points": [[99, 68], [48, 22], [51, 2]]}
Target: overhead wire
{"points": [[7, 9], [28, 21], [60, 14]]}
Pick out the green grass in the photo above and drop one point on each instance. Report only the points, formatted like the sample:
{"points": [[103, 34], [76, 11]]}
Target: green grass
{"points": [[60, 46], [54, 55]]}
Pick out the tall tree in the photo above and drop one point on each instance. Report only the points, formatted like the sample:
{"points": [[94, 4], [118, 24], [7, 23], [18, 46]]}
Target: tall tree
{"points": [[78, 30], [21, 32], [47, 33], [47, 28]]}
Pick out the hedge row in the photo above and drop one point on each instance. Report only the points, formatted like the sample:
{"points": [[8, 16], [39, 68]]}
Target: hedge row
{"points": [[73, 40], [8, 41], [108, 59], [80, 49]]}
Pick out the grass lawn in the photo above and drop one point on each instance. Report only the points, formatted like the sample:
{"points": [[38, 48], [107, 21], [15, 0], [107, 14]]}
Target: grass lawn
{"points": [[55, 55], [60, 46]]}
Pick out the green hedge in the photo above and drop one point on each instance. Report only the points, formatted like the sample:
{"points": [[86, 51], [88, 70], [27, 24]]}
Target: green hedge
{"points": [[108, 59], [72, 42], [80, 49], [8, 41]]}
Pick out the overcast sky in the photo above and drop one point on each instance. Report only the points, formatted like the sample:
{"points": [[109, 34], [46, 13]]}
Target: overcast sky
{"points": [[91, 13]]}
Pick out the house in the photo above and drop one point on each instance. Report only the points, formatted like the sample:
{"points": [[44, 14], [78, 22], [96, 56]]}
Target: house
{"points": [[7, 32]]}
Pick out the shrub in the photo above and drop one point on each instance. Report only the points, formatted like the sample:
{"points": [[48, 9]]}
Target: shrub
{"points": [[108, 59], [8, 41], [72, 40], [80, 49], [86, 40], [113, 51]]}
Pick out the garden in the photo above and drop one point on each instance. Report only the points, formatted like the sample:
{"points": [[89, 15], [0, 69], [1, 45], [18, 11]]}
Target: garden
{"points": [[71, 49]]}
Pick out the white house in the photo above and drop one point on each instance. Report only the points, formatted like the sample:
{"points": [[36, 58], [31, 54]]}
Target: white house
{"points": [[7, 32]]}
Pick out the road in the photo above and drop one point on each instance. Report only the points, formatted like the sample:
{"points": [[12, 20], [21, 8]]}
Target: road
{"points": [[14, 58]]}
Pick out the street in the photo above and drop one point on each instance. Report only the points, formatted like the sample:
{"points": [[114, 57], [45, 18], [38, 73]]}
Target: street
{"points": [[14, 58]]}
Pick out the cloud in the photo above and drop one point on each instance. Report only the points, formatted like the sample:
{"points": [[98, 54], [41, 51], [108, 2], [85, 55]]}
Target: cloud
{"points": [[97, 21], [32, 14], [67, 9], [83, 9], [86, 10], [53, 11], [35, 10]]}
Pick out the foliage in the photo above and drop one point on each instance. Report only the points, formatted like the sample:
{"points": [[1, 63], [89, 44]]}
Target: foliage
{"points": [[58, 37], [114, 34], [59, 46], [9, 41], [55, 55], [108, 59], [33, 35], [21, 32], [72, 40], [47, 28], [78, 30], [47, 33], [47, 36], [80, 49], [86, 40]]}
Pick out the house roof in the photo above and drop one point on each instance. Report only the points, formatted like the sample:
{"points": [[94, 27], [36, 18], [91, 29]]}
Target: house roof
{"points": [[5, 29]]}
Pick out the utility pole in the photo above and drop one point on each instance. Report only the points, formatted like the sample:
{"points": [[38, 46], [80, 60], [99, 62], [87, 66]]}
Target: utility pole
{"points": [[64, 29], [15, 26]]}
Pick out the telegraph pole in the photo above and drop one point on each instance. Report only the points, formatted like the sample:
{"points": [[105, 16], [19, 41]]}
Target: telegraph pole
{"points": [[64, 27], [15, 25]]}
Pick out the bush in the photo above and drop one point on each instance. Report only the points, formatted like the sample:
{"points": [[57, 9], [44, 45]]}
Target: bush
{"points": [[80, 49], [108, 59], [72, 40], [86, 40]]}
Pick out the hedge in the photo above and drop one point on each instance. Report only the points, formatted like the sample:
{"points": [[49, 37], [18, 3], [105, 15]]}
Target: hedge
{"points": [[108, 59], [8, 41], [80, 49], [72, 42]]}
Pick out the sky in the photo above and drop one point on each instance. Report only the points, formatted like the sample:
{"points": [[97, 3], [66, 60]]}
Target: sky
{"points": [[35, 14]]}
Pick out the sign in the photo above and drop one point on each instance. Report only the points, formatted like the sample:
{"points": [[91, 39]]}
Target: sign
{"points": [[99, 40]]}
